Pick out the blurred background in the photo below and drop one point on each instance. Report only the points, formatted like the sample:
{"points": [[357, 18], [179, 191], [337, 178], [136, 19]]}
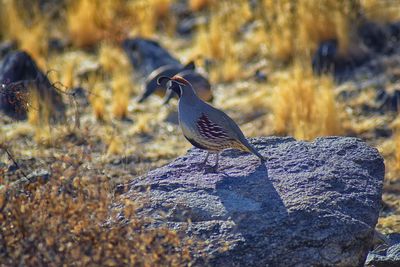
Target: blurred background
{"points": [[302, 68]]}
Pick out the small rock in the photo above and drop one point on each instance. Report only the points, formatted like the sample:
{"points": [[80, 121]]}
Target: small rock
{"points": [[56, 45], [19, 76], [374, 36], [388, 101], [42, 176], [260, 76], [327, 60], [389, 257], [323, 60]]}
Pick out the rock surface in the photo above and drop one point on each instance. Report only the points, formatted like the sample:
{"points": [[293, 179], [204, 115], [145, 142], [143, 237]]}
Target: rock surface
{"points": [[19, 76], [312, 204], [389, 257]]}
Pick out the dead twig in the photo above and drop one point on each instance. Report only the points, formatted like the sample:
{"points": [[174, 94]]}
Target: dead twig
{"points": [[11, 157]]}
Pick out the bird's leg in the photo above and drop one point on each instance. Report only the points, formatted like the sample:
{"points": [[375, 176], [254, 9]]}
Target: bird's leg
{"points": [[215, 167], [205, 160]]}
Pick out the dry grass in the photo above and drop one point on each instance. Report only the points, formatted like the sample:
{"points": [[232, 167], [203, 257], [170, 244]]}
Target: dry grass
{"points": [[121, 86], [39, 114], [29, 31], [305, 106], [97, 98], [90, 21], [116, 65], [217, 40], [148, 15], [381, 10], [297, 27], [63, 222]]}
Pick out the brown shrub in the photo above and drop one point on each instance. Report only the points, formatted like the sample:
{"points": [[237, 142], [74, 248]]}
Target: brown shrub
{"points": [[62, 223]]}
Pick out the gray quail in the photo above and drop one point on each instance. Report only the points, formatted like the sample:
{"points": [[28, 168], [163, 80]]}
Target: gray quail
{"points": [[204, 126]]}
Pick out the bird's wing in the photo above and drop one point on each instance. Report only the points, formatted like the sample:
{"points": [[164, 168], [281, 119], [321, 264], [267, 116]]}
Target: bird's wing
{"points": [[225, 122], [209, 129]]}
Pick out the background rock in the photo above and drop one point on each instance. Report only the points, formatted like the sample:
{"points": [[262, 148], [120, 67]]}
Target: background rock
{"points": [[389, 257], [312, 204], [19, 75]]}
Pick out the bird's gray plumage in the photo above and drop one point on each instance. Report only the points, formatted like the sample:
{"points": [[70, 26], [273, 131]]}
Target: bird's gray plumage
{"points": [[205, 126]]}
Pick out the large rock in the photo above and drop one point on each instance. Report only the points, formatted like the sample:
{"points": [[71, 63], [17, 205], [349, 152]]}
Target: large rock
{"points": [[19, 78], [311, 204]]}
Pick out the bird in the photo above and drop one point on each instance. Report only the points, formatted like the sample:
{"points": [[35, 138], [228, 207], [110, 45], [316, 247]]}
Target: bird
{"points": [[202, 85], [150, 84], [205, 126]]}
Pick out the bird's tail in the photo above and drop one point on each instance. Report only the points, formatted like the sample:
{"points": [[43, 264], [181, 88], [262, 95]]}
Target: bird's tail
{"points": [[250, 148]]}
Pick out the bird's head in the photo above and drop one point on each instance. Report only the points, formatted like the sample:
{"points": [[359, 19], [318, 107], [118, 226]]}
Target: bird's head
{"points": [[174, 84]]}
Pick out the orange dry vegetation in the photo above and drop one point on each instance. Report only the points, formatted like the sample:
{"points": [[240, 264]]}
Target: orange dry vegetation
{"points": [[64, 223]]}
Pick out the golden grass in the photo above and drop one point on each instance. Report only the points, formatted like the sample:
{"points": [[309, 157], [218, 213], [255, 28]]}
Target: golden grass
{"points": [[68, 74], [115, 146], [90, 21], [97, 98], [148, 14], [39, 113], [287, 29], [381, 10], [83, 25], [217, 39], [121, 87], [29, 31], [297, 27], [305, 106], [112, 59], [116, 65], [389, 224]]}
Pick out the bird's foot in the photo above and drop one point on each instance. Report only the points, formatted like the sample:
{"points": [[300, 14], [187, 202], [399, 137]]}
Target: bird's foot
{"points": [[210, 169]]}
